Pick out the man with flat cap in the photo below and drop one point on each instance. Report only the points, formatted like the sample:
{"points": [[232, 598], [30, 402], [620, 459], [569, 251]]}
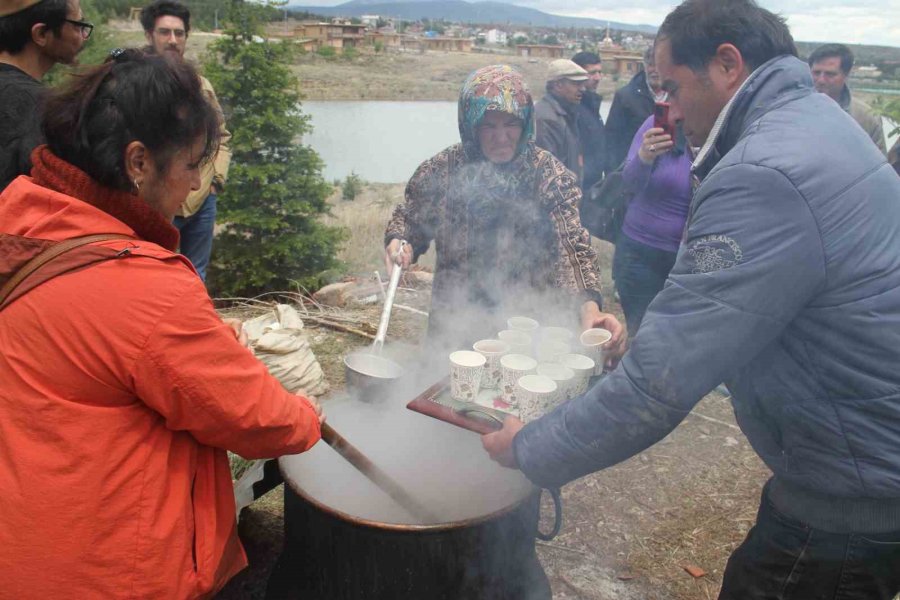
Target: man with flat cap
{"points": [[556, 114], [34, 36]]}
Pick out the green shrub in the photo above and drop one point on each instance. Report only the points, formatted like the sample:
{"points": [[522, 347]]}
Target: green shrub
{"points": [[349, 53], [327, 52], [353, 185]]}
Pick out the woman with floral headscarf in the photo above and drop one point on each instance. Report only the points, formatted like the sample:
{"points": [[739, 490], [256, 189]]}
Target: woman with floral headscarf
{"points": [[504, 218]]}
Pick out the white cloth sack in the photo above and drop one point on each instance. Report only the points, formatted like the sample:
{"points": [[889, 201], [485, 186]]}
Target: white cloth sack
{"points": [[278, 340]]}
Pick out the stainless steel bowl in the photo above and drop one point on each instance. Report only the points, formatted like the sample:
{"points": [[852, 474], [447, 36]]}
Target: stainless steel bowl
{"points": [[369, 376]]}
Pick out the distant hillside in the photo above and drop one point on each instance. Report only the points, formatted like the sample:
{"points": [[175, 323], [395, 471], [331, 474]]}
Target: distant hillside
{"points": [[483, 13], [864, 54]]}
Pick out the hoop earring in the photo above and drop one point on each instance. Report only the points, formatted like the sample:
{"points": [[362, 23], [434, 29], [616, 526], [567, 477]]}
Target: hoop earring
{"points": [[137, 186]]}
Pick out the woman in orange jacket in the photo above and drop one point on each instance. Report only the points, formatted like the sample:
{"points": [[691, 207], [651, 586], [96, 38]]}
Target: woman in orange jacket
{"points": [[121, 387]]}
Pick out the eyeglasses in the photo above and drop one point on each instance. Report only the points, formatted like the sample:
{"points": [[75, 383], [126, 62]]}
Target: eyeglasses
{"points": [[166, 32], [86, 28]]}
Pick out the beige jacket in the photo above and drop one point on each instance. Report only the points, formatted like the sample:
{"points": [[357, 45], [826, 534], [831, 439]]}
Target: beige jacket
{"points": [[216, 169], [866, 117]]}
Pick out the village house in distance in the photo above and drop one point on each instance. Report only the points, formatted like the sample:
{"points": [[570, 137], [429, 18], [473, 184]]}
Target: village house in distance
{"points": [[621, 56]]}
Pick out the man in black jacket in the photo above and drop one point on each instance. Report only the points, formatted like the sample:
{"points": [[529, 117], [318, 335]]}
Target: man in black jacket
{"points": [[589, 122], [34, 36], [631, 106]]}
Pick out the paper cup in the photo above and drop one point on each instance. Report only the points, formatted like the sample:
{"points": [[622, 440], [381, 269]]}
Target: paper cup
{"points": [[592, 342], [563, 377], [466, 368], [536, 394], [583, 367], [512, 367], [519, 341], [522, 324], [492, 351], [557, 334], [551, 351]]}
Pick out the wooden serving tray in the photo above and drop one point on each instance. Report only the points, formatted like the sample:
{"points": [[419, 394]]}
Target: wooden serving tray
{"points": [[484, 415]]}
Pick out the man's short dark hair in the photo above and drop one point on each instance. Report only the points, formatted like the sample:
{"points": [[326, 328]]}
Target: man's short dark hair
{"points": [[165, 8], [830, 51], [696, 29], [15, 29], [583, 59]]}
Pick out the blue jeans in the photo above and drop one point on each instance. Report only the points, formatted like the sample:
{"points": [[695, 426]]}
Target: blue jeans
{"points": [[785, 559], [639, 271], [197, 235]]}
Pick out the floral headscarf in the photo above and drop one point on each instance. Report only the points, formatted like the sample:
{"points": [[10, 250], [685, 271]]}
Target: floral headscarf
{"points": [[496, 87]]}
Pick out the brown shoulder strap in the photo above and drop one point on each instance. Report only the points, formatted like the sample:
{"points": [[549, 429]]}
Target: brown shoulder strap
{"points": [[50, 254]]}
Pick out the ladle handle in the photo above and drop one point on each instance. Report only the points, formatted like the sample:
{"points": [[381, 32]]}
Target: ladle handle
{"points": [[374, 474], [378, 344]]}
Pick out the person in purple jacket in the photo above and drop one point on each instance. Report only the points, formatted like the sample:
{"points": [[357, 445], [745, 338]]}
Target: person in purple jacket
{"points": [[658, 174]]}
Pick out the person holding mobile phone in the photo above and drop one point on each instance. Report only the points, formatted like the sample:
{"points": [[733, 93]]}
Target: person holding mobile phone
{"points": [[657, 174]]}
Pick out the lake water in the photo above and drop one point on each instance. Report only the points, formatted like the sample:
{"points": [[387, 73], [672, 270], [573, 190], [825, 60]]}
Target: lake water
{"points": [[384, 142]]}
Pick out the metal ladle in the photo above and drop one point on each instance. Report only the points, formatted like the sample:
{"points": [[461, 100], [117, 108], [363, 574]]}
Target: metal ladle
{"points": [[367, 370]]}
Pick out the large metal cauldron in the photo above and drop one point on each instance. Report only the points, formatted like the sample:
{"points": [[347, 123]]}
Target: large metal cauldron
{"points": [[356, 545]]}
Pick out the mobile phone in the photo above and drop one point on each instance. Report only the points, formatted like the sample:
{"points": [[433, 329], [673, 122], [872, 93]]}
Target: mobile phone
{"points": [[661, 118]]}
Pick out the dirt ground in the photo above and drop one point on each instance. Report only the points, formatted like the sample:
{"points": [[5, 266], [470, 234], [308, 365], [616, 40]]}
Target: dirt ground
{"points": [[629, 531], [411, 76]]}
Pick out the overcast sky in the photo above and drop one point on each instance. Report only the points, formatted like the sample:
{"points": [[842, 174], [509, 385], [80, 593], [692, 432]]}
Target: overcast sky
{"points": [[848, 21]]}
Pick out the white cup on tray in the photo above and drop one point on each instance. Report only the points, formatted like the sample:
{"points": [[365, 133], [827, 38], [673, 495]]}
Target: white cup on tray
{"points": [[583, 367], [536, 396], [466, 371], [512, 367], [492, 351]]}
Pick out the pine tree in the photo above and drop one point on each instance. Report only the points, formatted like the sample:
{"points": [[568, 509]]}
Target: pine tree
{"points": [[272, 238]]}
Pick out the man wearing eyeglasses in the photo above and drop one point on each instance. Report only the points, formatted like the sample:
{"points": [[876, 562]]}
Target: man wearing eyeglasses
{"points": [[34, 36], [167, 24]]}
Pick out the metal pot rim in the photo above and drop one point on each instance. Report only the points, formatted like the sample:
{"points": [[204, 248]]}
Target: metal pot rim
{"points": [[399, 527], [392, 365]]}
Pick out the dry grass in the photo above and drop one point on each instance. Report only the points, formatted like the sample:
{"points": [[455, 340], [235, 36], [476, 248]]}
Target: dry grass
{"points": [[365, 219], [410, 76]]}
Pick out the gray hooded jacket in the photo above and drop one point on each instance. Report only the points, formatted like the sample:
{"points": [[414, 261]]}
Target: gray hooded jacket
{"points": [[786, 287]]}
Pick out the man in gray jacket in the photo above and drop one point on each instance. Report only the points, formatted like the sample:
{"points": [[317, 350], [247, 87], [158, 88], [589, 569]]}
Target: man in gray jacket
{"points": [[556, 114], [786, 287]]}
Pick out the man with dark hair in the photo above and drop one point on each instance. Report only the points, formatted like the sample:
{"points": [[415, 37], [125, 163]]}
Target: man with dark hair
{"points": [[167, 24], [556, 114], [34, 36], [631, 106], [831, 65], [786, 287], [589, 122]]}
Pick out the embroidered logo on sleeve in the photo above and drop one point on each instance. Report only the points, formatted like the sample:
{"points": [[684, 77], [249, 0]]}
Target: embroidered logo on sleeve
{"points": [[714, 253]]}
